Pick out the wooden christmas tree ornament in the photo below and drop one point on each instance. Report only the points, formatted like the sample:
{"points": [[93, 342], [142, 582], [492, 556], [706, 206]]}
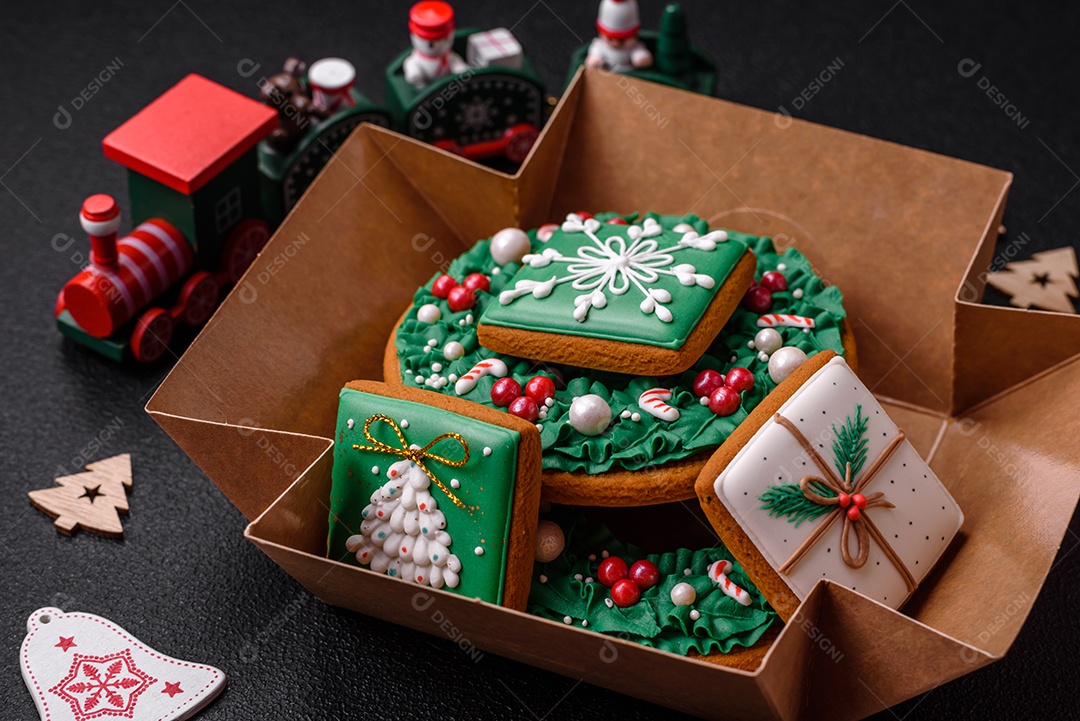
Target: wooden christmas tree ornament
{"points": [[1045, 281], [92, 500]]}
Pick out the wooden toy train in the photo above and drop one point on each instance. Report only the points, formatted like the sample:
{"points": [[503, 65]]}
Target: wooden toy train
{"points": [[211, 172]]}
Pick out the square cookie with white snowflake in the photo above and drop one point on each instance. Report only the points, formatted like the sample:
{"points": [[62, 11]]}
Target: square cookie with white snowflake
{"points": [[820, 483], [435, 491], [646, 297]]}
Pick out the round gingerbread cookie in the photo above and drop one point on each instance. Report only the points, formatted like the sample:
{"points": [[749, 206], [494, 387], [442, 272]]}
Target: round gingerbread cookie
{"points": [[610, 438]]}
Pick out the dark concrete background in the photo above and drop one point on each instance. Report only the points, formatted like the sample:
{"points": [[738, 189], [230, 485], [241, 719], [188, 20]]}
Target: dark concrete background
{"points": [[183, 579]]}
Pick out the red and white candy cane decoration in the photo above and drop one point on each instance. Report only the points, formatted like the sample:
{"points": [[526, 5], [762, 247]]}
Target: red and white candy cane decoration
{"points": [[718, 572], [652, 402], [545, 231], [489, 367], [781, 320]]}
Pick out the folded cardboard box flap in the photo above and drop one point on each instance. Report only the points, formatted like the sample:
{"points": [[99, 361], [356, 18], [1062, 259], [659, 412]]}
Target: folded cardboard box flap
{"points": [[254, 398]]}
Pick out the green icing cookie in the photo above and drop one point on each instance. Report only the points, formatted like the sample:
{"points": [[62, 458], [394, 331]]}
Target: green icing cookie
{"points": [[647, 285], [484, 485], [722, 622], [628, 443]]}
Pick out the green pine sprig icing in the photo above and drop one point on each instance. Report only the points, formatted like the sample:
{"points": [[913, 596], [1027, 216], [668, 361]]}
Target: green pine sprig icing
{"points": [[849, 443], [849, 446], [787, 501]]}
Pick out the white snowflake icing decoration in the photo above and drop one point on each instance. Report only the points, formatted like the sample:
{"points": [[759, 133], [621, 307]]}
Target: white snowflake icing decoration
{"points": [[616, 264]]}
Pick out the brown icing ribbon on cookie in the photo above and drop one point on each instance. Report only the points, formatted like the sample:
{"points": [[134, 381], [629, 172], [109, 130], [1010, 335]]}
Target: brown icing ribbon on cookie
{"points": [[850, 504]]}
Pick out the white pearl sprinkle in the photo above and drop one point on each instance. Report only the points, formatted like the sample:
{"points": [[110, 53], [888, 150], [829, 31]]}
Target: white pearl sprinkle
{"points": [[543, 578], [683, 594], [624, 414], [577, 576], [479, 551], [781, 266], [496, 271], [805, 330], [350, 423], [687, 572], [539, 427], [734, 358], [453, 377], [762, 356], [695, 615], [436, 367], [428, 313], [408, 372], [588, 579], [549, 402], [567, 620], [608, 602], [375, 470], [404, 423], [469, 318], [419, 379], [635, 417], [750, 344], [604, 554], [592, 556], [704, 400], [584, 623], [487, 451], [461, 322], [432, 343], [797, 293], [455, 483]]}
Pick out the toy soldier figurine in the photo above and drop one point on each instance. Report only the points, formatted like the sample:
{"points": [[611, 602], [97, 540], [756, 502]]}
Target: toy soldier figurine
{"points": [[616, 47], [431, 28]]}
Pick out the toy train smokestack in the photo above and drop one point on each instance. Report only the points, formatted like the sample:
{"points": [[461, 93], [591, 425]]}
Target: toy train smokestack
{"points": [[100, 218], [124, 275]]}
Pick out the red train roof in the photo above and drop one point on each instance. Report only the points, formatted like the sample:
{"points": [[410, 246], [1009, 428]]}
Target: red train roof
{"points": [[191, 133]]}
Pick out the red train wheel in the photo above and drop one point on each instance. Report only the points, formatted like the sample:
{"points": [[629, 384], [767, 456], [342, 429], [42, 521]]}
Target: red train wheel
{"points": [[152, 334], [198, 298], [519, 141], [243, 246]]}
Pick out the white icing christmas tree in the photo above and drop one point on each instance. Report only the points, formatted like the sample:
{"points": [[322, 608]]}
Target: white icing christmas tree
{"points": [[403, 533]]}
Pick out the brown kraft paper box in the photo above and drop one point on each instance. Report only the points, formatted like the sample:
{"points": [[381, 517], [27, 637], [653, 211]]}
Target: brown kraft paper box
{"points": [[904, 233]]}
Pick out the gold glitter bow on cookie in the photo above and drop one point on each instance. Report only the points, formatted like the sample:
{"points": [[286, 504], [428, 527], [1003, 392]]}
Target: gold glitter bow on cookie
{"points": [[416, 454], [850, 504]]}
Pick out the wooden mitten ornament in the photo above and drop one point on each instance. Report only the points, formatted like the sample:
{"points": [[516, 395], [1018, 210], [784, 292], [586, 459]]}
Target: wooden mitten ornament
{"points": [[80, 667], [92, 500]]}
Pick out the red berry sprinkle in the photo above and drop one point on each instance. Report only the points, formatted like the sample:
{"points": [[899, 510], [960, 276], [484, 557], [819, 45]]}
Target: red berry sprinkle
{"points": [[617, 221], [505, 391], [645, 574], [774, 280], [442, 286], [477, 281], [612, 569], [740, 379], [540, 388], [706, 382], [724, 401], [461, 298], [758, 299], [625, 593], [524, 407]]}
